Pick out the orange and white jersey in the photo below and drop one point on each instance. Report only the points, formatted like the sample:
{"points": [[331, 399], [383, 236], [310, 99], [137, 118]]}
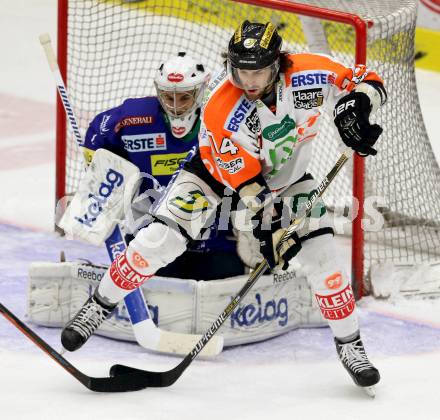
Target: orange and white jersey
{"points": [[239, 138]]}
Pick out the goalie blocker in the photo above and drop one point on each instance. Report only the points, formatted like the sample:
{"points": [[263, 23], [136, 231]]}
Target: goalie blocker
{"points": [[278, 303]]}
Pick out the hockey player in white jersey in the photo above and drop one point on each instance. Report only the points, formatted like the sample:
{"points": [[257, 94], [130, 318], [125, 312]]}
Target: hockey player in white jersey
{"points": [[260, 118]]}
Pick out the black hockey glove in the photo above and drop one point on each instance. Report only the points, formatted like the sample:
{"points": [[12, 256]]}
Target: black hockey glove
{"points": [[257, 198], [269, 237], [351, 117]]}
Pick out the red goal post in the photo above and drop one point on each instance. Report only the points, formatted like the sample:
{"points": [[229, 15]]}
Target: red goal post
{"points": [[108, 50]]}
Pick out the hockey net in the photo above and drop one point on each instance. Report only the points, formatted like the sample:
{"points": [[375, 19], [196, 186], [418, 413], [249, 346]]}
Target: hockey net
{"points": [[109, 50]]}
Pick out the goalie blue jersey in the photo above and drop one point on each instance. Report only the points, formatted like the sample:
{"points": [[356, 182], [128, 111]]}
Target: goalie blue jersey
{"points": [[138, 131]]}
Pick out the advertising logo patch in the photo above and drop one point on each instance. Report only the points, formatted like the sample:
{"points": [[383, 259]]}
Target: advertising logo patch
{"points": [[337, 306], [237, 115], [166, 164], [88, 154], [308, 98], [145, 142], [334, 281], [113, 179], [116, 248], [175, 77], [232, 166], [308, 79], [249, 42], [276, 131], [138, 260], [103, 125], [253, 122], [132, 121], [189, 203], [192, 202], [261, 312], [124, 276], [285, 276]]}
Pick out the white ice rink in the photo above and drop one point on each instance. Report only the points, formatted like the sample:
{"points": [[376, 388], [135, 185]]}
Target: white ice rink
{"points": [[295, 376]]}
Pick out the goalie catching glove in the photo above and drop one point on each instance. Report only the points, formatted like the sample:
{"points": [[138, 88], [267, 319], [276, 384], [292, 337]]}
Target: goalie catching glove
{"points": [[351, 117], [257, 197]]}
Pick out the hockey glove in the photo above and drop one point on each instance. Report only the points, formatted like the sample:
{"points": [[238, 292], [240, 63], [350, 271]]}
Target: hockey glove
{"points": [[268, 246], [351, 117], [258, 199]]}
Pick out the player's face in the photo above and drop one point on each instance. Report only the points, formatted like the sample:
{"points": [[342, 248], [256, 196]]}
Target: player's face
{"points": [[177, 103], [254, 82]]}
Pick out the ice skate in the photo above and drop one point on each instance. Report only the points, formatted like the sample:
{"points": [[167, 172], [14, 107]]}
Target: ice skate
{"points": [[85, 323], [355, 361]]}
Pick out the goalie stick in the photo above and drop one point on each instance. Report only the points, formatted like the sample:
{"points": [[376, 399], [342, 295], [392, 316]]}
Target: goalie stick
{"points": [[147, 334], [167, 378]]}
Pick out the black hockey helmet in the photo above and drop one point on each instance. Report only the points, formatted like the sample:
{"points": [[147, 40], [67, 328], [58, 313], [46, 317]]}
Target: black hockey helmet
{"points": [[254, 46]]}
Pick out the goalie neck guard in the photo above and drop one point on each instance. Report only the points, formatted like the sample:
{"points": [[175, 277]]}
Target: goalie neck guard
{"points": [[180, 83]]}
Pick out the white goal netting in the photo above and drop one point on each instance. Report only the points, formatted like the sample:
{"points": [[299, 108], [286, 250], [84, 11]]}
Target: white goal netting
{"points": [[115, 46]]}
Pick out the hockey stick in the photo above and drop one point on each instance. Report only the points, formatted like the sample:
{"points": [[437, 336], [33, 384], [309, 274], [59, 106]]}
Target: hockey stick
{"points": [[119, 383], [147, 334], [167, 378], [125, 378]]}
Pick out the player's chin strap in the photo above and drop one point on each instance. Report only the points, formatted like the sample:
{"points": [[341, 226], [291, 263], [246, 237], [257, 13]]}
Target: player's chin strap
{"points": [[167, 378], [147, 334]]}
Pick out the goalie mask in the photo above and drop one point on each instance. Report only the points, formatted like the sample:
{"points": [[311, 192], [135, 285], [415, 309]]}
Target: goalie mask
{"points": [[253, 57], [180, 83]]}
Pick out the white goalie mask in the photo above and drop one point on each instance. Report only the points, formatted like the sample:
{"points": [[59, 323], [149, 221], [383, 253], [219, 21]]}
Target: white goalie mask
{"points": [[180, 83]]}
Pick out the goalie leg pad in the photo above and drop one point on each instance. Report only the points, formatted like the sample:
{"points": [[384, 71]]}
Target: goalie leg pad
{"points": [[327, 273], [154, 247]]}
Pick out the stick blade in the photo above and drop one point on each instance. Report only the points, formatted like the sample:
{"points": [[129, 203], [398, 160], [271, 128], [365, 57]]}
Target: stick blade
{"points": [[140, 379], [152, 338], [120, 383]]}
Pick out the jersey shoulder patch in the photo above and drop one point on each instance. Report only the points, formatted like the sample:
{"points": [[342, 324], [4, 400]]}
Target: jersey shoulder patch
{"points": [[314, 70], [138, 111], [220, 106]]}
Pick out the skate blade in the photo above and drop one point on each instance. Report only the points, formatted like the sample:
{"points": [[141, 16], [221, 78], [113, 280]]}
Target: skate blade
{"points": [[370, 391]]}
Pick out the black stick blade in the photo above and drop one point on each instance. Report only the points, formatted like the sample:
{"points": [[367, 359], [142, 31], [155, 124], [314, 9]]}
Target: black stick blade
{"points": [[145, 378], [121, 383]]}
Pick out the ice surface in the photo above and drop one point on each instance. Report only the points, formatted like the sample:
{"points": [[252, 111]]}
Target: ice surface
{"points": [[295, 376]]}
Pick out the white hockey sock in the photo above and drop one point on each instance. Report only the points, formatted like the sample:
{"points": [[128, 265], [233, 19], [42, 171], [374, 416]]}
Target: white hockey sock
{"points": [[327, 274], [154, 247]]}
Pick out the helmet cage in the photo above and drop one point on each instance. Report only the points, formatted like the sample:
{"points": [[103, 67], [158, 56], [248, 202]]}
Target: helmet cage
{"points": [[169, 100], [181, 75]]}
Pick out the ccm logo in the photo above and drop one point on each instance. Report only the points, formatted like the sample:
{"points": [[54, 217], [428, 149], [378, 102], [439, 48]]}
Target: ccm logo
{"points": [[344, 107]]}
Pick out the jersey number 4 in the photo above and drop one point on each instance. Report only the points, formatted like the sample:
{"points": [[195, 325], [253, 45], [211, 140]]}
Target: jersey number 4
{"points": [[228, 147]]}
